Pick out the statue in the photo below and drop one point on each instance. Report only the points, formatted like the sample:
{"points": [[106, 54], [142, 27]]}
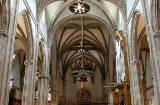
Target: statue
{"points": [[82, 80]]}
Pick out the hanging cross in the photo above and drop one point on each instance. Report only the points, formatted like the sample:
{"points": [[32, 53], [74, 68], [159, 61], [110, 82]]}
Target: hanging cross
{"points": [[82, 81]]}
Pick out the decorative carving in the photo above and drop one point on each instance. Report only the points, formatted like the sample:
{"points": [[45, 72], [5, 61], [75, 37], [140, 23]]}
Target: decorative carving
{"points": [[3, 16], [28, 62], [3, 33], [44, 76], [137, 62], [157, 34]]}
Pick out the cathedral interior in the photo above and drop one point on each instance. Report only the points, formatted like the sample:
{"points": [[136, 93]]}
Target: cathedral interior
{"points": [[79, 52]]}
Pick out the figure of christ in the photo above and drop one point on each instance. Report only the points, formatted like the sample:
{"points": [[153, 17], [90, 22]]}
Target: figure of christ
{"points": [[82, 81], [82, 85]]}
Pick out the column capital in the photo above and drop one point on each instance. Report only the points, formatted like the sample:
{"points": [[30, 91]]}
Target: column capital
{"points": [[28, 62], [44, 76], [125, 24], [126, 83], [4, 33], [17, 0], [38, 24], [137, 62], [54, 90], [156, 34]]}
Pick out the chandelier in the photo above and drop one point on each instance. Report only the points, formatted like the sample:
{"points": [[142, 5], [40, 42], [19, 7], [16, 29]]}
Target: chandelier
{"points": [[82, 72], [81, 8]]}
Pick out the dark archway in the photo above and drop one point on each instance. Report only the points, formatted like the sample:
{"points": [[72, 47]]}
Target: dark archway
{"points": [[83, 97]]}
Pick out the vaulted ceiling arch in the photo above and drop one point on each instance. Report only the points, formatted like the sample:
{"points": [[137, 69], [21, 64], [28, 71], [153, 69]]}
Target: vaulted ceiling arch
{"points": [[92, 4], [61, 23], [42, 4], [76, 60], [98, 33]]}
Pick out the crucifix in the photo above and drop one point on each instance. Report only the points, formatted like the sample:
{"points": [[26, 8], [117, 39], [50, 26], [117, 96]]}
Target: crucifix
{"points": [[82, 80]]}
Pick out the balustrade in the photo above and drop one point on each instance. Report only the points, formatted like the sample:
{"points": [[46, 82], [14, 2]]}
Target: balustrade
{"points": [[73, 101]]}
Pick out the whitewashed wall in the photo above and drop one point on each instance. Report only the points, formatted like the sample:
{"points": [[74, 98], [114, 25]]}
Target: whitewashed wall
{"points": [[52, 10], [138, 7], [43, 25], [120, 22], [129, 4], [149, 76], [95, 88], [93, 11], [16, 75], [33, 6]]}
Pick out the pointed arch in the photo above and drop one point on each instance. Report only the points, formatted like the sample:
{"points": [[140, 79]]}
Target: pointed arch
{"points": [[30, 38], [133, 36], [135, 40], [52, 30]]}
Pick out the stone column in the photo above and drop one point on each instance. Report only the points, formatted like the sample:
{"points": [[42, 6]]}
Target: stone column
{"points": [[55, 99], [5, 74], [154, 44], [53, 89], [64, 87], [103, 90], [43, 83], [57, 96], [7, 47], [127, 93], [135, 83], [28, 88], [126, 83], [3, 40], [54, 74], [111, 101]]}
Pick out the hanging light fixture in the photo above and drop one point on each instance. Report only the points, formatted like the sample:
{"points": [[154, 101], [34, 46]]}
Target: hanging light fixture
{"points": [[82, 72], [81, 8]]}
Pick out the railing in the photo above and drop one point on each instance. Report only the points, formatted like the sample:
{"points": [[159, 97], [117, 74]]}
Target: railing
{"points": [[83, 104], [99, 103], [72, 101]]}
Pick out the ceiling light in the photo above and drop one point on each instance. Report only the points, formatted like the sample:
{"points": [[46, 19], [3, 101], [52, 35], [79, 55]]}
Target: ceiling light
{"points": [[79, 7], [82, 71]]}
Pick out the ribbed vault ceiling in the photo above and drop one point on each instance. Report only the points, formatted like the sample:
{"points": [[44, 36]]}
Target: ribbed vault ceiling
{"points": [[99, 25], [96, 44]]}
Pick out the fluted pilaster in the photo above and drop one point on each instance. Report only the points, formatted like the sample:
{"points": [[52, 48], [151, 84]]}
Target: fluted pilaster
{"points": [[28, 88], [43, 83], [7, 39], [103, 89], [64, 87], [54, 100], [135, 83]]}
